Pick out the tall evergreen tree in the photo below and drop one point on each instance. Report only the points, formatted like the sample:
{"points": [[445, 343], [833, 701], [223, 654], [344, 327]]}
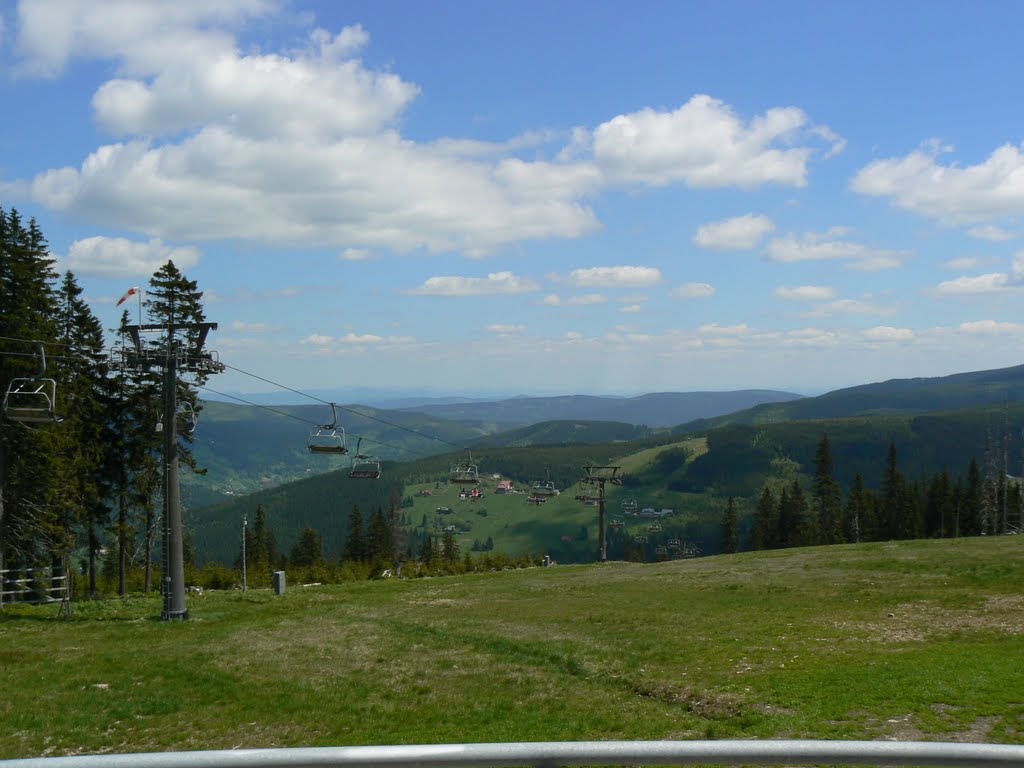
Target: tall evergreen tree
{"points": [[893, 498], [730, 528], [88, 465], [766, 525], [308, 551], [355, 542], [970, 514], [29, 314], [827, 501]]}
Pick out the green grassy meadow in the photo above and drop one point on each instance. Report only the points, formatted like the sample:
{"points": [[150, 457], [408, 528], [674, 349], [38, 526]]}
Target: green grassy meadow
{"points": [[909, 640]]}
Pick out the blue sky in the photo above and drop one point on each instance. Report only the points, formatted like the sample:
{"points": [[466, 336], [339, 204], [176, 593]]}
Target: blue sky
{"points": [[571, 197]]}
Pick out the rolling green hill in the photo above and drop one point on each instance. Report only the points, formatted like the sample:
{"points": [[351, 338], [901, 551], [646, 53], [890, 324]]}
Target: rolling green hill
{"points": [[659, 409], [896, 396]]}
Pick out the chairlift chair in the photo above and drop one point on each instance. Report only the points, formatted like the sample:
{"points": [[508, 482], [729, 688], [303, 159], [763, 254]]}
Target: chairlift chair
{"points": [[184, 419], [328, 438], [544, 488], [629, 506], [364, 466], [465, 473], [32, 399]]}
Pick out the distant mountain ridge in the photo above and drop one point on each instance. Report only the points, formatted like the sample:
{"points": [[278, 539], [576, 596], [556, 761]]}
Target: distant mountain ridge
{"points": [[658, 409], [895, 396]]}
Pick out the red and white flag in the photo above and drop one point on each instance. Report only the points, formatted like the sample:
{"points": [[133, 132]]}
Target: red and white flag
{"points": [[131, 292]]}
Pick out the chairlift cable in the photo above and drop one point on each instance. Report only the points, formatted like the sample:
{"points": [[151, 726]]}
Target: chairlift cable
{"points": [[299, 418], [349, 410]]}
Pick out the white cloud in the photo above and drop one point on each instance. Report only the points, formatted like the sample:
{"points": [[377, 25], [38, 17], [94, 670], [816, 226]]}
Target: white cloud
{"points": [[614, 277], [992, 189], [812, 337], [714, 329], [631, 308], [693, 291], [119, 257], [216, 140], [356, 254], [552, 300], [963, 262], [704, 144], [993, 282], [991, 232], [318, 340], [506, 328], [888, 333], [990, 283], [815, 246], [365, 338], [587, 298], [991, 327], [741, 233], [494, 283], [851, 307], [240, 325], [805, 292]]}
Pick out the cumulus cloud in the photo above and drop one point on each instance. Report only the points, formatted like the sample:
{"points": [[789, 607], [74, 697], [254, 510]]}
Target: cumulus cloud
{"points": [[494, 283], [991, 232], [992, 282], [241, 325], [704, 143], [356, 254], [852, 307], [506, 328], [888, 333], [586, 299], [120, 257], [805, 292], [919, 182], [715, 329], [693, 291], [741, 233], [815, 246], [214, 140], [614, 277], [990, 327], [963, 262]]}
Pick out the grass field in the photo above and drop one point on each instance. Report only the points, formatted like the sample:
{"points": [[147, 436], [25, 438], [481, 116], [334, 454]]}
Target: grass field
{"points": [[910, 640]]}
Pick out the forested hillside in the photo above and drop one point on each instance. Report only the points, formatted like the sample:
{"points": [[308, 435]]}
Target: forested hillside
{"points": [[896, 396], [661, 409]]}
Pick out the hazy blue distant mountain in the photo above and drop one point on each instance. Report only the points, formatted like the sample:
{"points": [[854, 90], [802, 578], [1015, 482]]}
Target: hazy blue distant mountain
{"points": [[661, 409]]}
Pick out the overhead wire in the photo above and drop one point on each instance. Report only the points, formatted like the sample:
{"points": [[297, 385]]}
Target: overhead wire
{"points": [[265, 380], [349, 410]]}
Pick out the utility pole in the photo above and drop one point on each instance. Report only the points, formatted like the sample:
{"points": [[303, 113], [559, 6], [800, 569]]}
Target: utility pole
{"points": [[600, 476], [171, 359], [245, 525]]}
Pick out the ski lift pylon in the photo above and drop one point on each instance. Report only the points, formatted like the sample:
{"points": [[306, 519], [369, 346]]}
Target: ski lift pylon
{"points": [[328, 438]]}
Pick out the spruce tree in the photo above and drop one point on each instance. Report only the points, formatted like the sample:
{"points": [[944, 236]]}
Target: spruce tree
{"points": [[88, 466], [28, 493], [828, 526], [766, 525], [730, 528], [355, 541]]}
